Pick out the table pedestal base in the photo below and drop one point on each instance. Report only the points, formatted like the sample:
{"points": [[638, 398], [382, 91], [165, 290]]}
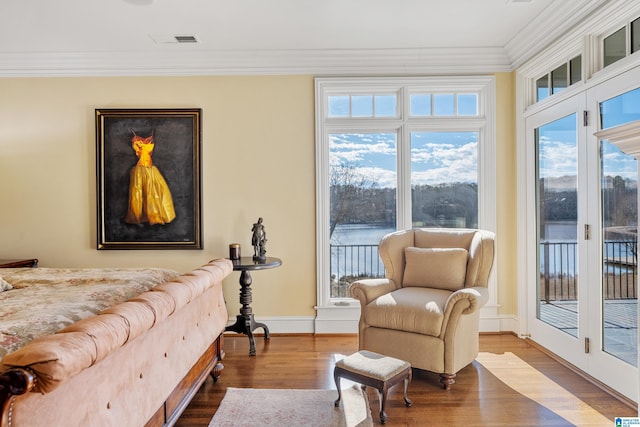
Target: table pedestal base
{"points": [[246, 325]]}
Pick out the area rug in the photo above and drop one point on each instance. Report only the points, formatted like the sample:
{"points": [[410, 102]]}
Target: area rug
{"points": [[286, 407]]}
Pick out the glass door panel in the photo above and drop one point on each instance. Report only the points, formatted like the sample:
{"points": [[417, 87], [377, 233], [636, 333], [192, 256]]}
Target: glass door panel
{"points": [[557, 219], [621, 109], [619, 323], [612, 310], [619, 213]]}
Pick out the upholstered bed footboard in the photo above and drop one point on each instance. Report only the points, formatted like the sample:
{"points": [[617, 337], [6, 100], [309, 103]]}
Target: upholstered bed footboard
{"points": [[146, 380]]}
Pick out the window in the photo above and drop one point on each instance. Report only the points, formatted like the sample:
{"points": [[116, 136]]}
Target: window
{"points": [[593, 46], [365, 105], [542, 88], [396, 153], [443, 104], [444, 179], [559, 79], [614, 45], [575, 70], [635, 35]]}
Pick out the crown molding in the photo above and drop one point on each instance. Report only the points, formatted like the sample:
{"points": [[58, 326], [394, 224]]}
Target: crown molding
{"points": [[582, 38], [208, 62], [548, 27], [544, 29]]}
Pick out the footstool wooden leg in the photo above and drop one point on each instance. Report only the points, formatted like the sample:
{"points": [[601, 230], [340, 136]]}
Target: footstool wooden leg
{"points": [[376, 371], [383, 400], [336, 378], [407, 380]]}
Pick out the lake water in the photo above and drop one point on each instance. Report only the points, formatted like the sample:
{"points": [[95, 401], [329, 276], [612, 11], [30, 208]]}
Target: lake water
{"points": [[359, 234], [356, 260], [366, 234], [562, 258]]}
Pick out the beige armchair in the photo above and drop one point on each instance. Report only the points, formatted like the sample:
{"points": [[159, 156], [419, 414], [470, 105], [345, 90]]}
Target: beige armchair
{"points": [[427, 308]]}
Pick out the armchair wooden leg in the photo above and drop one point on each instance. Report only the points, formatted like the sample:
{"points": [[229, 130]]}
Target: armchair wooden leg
{"points": [[447, 380]]}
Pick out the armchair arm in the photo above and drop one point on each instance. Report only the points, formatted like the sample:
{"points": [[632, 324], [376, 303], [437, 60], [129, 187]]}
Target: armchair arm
{"points": [[462, 302], [476, 298], [367, 290]]}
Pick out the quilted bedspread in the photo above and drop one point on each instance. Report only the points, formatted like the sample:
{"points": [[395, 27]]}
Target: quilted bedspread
{"points": [[45, 300]]}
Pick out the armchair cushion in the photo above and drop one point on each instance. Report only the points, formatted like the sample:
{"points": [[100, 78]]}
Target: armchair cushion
{"points": [[413, 309], [439, 268]]}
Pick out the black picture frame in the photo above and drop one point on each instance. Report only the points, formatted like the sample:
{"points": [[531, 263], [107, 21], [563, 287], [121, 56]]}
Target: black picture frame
{"points": [[137, 149]]}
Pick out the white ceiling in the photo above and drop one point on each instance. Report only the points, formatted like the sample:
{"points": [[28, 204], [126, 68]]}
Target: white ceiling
{"points": [[129, 37]]}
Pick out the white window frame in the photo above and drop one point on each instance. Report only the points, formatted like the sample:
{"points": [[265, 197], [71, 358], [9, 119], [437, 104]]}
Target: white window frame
{"points": [[341, 315]]}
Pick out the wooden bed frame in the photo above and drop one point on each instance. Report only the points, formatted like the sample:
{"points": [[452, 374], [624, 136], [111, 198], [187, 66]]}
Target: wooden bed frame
{"points": [[209, 363], [148, 381]]}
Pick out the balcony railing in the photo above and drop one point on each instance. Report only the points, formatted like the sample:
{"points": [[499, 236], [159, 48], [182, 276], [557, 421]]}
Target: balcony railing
{"points": [[558, 269], [352, 262], [559, 264]]}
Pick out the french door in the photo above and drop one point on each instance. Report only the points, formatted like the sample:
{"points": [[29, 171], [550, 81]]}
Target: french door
{"points": [[557, 292], [583, 284]]}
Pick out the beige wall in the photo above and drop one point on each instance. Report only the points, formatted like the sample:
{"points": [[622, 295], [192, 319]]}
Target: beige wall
{"points": [[257, 160], [506, 193]]}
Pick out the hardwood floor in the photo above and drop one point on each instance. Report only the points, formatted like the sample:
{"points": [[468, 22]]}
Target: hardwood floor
{"points": [[511, 383]]}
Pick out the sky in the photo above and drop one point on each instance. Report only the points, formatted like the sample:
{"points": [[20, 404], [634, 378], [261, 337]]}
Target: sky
{"points": [[449, 157], [558, 153], [436, 157]]}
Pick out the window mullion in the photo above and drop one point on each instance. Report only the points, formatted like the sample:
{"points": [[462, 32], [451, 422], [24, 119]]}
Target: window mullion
{"points": [[404, 178]]}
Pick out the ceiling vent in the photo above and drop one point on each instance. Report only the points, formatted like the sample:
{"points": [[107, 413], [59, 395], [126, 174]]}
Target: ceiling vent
{"points": [[167, 39], [186, 39]]}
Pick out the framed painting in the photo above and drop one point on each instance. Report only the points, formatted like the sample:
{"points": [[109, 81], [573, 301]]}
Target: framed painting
{"points": [[148, 178]]}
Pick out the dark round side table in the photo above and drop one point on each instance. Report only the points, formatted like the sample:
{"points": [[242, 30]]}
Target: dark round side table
{"points": [[245, 324]]}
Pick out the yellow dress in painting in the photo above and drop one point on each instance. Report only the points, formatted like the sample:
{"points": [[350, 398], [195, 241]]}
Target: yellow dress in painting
{"points": [[149, 195]]}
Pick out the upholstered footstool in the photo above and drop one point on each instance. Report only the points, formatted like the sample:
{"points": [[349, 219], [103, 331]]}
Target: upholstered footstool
{"points": [[374, 370]]}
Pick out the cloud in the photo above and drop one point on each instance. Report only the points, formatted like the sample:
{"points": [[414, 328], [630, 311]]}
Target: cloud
{"points": [[616, 163], [556, 158], [444, 163], [384, 178], [559, 159], [436, 157], [364, 150], [447, 157]]}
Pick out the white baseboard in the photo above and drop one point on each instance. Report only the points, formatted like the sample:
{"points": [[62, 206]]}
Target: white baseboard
{"points": [[285, 324], [336, 327], [342, 322], [337, 319], [510, 323]]}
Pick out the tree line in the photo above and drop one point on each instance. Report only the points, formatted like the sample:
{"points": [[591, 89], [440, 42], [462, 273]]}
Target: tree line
{"points": [[619, 203], [355, 200], [432, 205]]}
